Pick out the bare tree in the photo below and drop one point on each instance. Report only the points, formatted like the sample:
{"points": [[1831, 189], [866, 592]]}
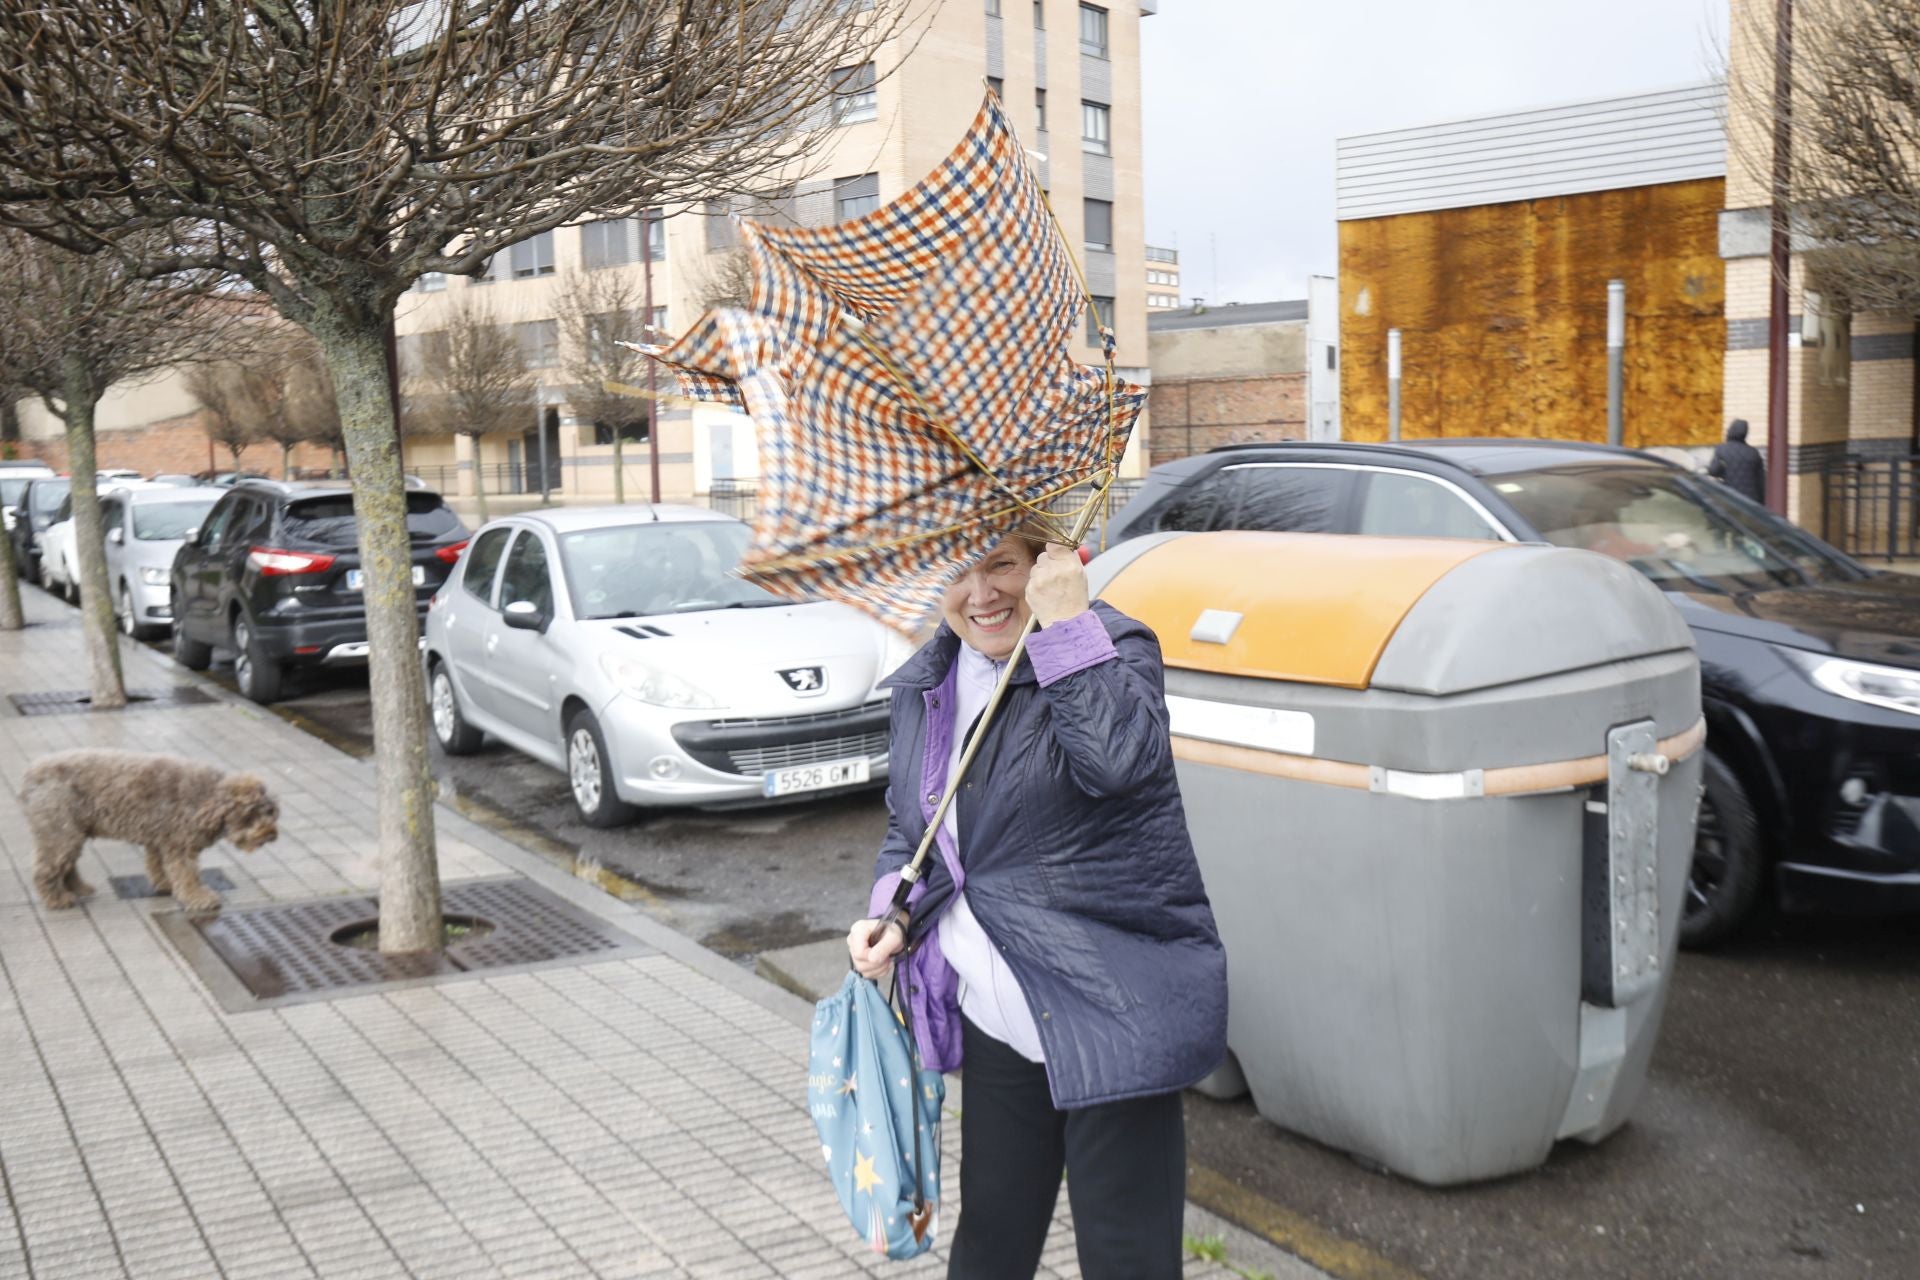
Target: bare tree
{"points": [[330, 154], [724, 280], [234, 399], [76, 325], [1853, 129], [599, 312], [473, 381], [309, 413]]}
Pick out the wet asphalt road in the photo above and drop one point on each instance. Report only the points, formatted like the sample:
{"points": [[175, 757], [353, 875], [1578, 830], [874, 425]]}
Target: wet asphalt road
{"points": [[1779, 1137]]}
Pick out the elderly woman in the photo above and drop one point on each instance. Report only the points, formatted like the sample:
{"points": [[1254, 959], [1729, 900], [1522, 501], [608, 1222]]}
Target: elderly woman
{"points": [[1061, 945]]}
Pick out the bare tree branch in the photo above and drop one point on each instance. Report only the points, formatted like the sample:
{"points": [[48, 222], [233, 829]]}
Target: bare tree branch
{"points": [[330, 154], [469, 378]]}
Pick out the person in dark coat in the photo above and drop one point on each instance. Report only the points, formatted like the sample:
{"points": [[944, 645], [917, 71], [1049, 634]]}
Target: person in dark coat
{"points": [[1738, 465], [1061, 944]]}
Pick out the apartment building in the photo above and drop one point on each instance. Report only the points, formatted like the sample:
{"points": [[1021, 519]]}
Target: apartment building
{"points": [[1069, 74], [1163, 278]]}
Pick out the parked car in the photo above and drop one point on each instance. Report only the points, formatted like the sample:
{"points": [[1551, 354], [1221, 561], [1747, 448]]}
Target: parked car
{"points": [[273, 574], [1810, 661], [616, 645], [59, 547], [120, 474], [144, 530], [226, 479], [13, 483], [40, 500], [179, 478]]}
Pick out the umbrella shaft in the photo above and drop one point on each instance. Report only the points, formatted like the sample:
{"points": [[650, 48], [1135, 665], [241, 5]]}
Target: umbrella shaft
{"points": [[912, 871]]}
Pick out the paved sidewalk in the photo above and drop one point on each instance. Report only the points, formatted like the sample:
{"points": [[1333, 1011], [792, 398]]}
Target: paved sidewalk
{"points": [[621, 1118]]}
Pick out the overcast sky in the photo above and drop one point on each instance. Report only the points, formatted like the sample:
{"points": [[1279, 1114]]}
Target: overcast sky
{"points": [[1243, 100]]}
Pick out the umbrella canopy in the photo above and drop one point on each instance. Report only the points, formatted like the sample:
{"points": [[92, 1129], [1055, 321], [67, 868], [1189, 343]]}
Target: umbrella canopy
{"points": [[911, 381]]}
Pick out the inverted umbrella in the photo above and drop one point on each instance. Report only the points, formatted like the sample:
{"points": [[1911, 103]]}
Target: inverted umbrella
{"points": [[911, 383]]}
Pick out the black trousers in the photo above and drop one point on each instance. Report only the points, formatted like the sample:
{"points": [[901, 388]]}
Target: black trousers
{"points": [[1126, 1167]]}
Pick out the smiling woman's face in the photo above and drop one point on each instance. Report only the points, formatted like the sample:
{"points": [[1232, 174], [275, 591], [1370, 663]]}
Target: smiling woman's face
{"points": [[987, 606]]}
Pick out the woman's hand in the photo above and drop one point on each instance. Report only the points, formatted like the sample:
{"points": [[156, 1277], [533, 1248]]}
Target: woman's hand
{"points": [[874, 961], [1057, 588]]}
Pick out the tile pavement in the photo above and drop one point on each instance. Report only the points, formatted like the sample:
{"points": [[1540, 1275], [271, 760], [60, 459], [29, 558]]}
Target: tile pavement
{"points": [[640, 1117]]}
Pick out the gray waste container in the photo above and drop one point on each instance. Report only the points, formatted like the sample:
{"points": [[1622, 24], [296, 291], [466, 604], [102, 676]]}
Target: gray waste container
{"points": [[1443, 794]]}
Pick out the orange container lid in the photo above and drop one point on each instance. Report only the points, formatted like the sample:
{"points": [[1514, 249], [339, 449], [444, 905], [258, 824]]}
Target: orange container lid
{"points": [[1313, 608]]}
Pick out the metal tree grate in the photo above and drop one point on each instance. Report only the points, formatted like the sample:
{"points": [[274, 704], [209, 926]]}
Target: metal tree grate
{"points": [[287, 949], [62, 702]]}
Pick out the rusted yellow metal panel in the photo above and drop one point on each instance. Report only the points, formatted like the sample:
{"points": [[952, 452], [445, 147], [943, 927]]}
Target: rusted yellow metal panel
{"points": [[1503, 316]]}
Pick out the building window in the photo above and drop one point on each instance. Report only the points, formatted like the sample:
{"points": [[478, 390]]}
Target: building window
{"points": [[721, 231], [856, 197], [533, 257], [1096, 128], [657, 325], [539, 342], [430, 282], [614, 242], [1093, 30], [1100, 313], [1040, 109], [632, 431], [998, 86], [854, 99], [1099, 225]]}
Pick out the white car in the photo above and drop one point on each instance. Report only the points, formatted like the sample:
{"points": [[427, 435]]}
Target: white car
{"points": [[617, 645], [13, 484], [144, 528], [59, 553]]}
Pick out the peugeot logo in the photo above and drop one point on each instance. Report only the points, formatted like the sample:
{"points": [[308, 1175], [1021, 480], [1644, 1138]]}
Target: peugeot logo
{"points": [[805, 681]]}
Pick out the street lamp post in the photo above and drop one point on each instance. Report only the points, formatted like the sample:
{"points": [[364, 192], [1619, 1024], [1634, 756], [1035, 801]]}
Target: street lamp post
{"points": [[1778, 259]]}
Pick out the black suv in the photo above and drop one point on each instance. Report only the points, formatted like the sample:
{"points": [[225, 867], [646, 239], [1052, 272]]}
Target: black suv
{"points": [[274, 575], [1809, 661]]}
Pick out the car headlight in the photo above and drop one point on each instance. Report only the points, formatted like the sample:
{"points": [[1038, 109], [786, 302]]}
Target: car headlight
{"points": [[154, 577], [895, 649], [1895, 688], [649, 684]]}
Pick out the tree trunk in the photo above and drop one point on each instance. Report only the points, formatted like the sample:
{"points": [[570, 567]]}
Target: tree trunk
{"points": [[479, 480], [354, 339], [104, 680], [9, 422], [619, 468], [11, 617], [286, 461]]}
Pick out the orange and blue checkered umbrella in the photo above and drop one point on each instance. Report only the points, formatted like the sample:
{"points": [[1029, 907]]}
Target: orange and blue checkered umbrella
{"points": [[910, 379]]}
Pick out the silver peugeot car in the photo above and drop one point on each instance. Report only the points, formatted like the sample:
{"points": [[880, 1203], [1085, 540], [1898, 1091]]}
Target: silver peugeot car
{"points": [[616, 644]]}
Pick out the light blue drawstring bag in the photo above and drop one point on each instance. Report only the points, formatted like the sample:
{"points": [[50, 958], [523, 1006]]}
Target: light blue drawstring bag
{"points": [[878, 1115]]}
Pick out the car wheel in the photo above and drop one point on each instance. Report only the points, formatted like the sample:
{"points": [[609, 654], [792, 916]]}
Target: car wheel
{"points": [[256, 672], [457, 737], [189, 653], [590, 774], [1729, 864], [129, 620]]}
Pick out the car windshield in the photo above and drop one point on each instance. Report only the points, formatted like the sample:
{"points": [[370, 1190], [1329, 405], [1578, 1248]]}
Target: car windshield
{"points": [[1679, 530], [48, 495], [11, 487], [638, 570], [169, 521]]}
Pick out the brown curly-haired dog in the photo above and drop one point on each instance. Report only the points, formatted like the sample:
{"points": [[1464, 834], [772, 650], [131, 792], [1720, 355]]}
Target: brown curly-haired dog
{"points": [[174, 807]]}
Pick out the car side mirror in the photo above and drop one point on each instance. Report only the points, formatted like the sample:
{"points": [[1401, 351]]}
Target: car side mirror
{"points": [[193, 537], [116, 536], [525, 615]]}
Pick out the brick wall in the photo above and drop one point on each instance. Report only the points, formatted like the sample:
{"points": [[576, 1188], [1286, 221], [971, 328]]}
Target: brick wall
{"points": [[176, 445], [1192, 415]]}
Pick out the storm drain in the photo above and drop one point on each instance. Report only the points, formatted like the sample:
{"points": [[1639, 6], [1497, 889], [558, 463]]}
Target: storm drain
{"points": [[140, 887], [64, 702], [286, 951]]}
